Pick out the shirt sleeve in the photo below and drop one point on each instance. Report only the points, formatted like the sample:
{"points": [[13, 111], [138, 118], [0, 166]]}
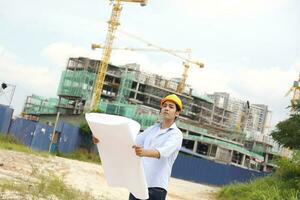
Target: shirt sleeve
{"points": [[170, 146], [140, 138]]}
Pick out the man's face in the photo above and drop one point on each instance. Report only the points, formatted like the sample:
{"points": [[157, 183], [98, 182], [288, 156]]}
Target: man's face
{"points": [[168, 110]]}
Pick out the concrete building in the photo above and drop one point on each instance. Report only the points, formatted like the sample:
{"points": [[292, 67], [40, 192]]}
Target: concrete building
{"points": [[245, 117]]}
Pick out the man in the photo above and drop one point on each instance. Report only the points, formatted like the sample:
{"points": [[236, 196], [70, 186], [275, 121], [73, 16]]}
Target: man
{"points": [[158, 146]]}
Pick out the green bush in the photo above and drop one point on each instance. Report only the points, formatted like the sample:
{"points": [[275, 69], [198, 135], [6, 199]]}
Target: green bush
{"points": [[284, 184]]}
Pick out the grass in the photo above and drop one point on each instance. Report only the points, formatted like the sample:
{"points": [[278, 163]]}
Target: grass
{"points": [[284, 184], [45, 188], [82, 155], [11, 143], [268, 188]]}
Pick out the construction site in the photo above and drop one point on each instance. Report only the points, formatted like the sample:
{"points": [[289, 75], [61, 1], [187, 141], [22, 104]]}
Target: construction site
{"points": [[210, 131], [215, 126], [227, 135]]}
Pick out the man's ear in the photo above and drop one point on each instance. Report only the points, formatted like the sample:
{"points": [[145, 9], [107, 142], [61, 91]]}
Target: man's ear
{"points": [[177, 113]]}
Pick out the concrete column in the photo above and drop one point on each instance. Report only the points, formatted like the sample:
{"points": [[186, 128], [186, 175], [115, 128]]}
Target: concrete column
{"points": [[136, 89], [266, 161], [212, 114], [231, 154], [186, 132], [209, 149], [195, 147], [243, 160]]}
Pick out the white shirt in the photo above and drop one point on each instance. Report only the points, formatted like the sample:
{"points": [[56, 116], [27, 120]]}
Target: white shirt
{"points": [[168, 143]]}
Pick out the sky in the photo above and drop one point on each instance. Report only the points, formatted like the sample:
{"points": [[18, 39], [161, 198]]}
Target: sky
{"points": [[250, 48]]}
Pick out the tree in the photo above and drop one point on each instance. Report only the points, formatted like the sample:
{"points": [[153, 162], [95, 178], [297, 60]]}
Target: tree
{"points": [[287, 132]]}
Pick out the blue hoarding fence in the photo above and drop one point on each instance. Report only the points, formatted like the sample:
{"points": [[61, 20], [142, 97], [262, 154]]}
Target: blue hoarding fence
{"points": [[42, 137], [201, 170], [38, 136], [70, 138], [5, 118], [23, 130]]}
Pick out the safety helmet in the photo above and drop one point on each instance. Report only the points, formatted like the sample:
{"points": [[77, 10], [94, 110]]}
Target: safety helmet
{"points": [[174, 98]]}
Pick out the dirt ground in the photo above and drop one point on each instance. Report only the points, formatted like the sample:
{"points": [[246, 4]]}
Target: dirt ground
{"points": [[88, 177]]}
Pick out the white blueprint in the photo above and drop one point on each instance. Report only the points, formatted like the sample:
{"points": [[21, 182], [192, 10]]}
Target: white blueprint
{"points": [[122, 168]]}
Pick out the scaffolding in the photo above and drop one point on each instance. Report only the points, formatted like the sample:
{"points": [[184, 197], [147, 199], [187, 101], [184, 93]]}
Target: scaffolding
{"points": [[125, 87], [128, 110], [76, 84], [37, 105]]}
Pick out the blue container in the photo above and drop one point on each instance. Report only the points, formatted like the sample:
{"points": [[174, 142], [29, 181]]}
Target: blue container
{"points": [[6, 114], [23, 130]]}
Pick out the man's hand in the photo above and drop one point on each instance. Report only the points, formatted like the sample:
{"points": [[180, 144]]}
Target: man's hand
{"points": [[95, 140], [139, 151]]}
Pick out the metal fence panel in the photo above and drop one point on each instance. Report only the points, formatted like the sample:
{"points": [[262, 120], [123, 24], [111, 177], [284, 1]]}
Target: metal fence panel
{"points": [[201, 170], [23, 130], [69, 138], [5, 118], [42, 137]]}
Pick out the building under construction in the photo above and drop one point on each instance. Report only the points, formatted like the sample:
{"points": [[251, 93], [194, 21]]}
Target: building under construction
{"points": [[129, 92]]}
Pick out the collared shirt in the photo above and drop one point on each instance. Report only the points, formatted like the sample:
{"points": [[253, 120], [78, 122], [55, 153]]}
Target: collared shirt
{"points": [[168, 143]]}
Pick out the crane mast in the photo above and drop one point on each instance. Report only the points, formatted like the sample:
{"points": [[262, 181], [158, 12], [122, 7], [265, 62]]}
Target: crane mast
{"points": [[113, 24]]}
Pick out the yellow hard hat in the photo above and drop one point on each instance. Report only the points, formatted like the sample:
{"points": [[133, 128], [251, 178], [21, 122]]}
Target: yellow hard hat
{"points": [[174, 98]]}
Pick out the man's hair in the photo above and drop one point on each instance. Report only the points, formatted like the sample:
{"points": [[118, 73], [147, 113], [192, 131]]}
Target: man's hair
{"points": [[177, 107]]}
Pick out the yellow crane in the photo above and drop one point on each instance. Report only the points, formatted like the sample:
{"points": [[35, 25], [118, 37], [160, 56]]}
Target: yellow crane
{"points": [[186, 63], [113, 24], [296, 89]]}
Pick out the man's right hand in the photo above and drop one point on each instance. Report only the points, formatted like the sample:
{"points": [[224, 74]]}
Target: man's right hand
{"points": [[95, 140]]}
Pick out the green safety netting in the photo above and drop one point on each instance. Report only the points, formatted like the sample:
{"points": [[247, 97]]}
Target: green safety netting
{"points": [[76, 83], [40, 105], [127, 110], [125, 86]]}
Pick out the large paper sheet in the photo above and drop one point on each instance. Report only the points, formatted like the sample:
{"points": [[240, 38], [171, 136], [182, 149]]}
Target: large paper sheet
{"points": [[122, 168]]}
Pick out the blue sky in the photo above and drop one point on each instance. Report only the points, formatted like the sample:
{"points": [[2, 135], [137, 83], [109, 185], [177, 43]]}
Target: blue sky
{"points": [[250, 48]]}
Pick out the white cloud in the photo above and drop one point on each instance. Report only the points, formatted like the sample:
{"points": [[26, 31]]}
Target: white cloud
{"points": [[230, 8], [59, 52], [28, 79]]}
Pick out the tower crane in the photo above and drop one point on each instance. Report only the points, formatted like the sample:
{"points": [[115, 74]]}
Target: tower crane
{"points": [[186, 63], [113, 24], [296, 89]]}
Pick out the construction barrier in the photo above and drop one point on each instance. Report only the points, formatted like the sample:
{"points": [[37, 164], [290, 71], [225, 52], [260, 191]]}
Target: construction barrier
{"points": [[69, 138], [201, 170], [23, 130], [42, 137], [5, 118]]}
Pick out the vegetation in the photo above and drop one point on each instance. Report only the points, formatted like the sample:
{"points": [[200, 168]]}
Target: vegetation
{"points": [[284, 184], [11, 143], [82, 155], [287, 132], [45, 187], [86, 133]]}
